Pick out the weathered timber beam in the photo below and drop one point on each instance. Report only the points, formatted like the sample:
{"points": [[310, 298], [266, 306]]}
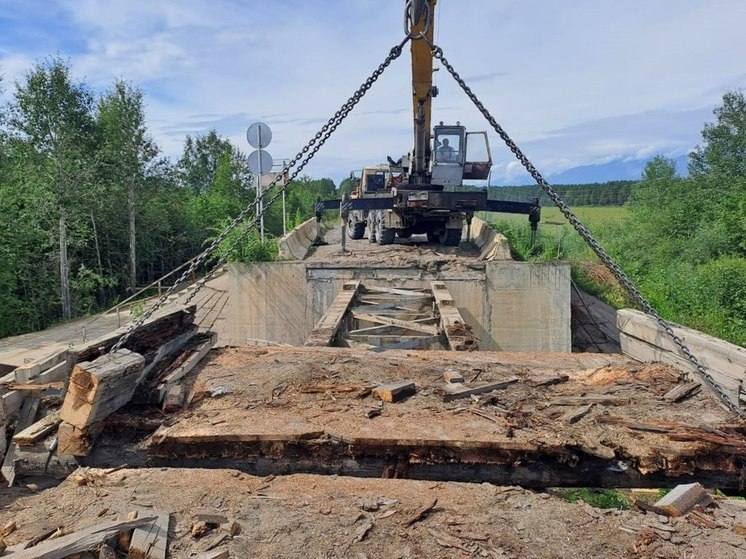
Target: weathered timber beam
{"points": [[415, 343], [417, 327], [459, 337], [327, 328]]}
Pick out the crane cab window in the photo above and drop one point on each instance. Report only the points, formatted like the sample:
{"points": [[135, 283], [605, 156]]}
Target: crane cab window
{"points": [[449, 147], [376, 182]]}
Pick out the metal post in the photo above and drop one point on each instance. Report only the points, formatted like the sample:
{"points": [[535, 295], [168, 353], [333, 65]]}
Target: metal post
{"points": [[284, 211], [261, 188]]}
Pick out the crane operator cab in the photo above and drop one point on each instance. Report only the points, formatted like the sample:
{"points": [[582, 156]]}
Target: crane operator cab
{"points": [[459, 155]]}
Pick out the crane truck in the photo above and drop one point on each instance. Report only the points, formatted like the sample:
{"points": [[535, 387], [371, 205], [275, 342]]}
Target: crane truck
{"points": [[422, 192]]}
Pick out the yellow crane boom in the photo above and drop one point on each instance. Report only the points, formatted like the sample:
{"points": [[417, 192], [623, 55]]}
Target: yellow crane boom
{"points": [[421, 21]]}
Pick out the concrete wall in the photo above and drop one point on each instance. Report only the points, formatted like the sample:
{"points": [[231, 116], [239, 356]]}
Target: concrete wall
{"points": [[492, 245], [295, 245], [512, 306]]}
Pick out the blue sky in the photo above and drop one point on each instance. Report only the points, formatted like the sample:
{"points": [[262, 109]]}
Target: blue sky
{"points": [[588, 89]]}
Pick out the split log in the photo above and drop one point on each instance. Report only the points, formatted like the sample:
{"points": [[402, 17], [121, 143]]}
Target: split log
{"points": [[74, 441], [101, 387], [81, 541], [173, 377]]}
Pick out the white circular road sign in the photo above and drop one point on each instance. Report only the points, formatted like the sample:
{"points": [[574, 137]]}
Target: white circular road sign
{"points": [[259, 135], [260, 162]]}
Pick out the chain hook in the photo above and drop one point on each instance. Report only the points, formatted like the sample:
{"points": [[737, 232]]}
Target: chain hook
{"points": [[413, 13]]}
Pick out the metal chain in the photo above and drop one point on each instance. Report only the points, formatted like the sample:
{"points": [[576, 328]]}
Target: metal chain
{"points": [[313, 147], [613, 267]]}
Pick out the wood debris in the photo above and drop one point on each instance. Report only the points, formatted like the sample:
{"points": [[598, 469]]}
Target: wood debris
{"points": [[421, 514], [456, 391], [80, 541], [151, 541], [683, 498], [394, 392]]}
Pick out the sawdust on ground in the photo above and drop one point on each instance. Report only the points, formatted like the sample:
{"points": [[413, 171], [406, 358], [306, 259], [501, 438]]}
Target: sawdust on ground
{"points": [[329, 517]]}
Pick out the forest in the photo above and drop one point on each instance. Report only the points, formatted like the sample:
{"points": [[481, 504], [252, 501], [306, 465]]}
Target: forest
{"points": [[612, 193], [92, 209], [683, 240]]}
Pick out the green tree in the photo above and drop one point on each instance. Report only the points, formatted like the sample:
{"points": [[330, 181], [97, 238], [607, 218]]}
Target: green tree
{"points": [[52, 115], [723, 151], [127, 154]]}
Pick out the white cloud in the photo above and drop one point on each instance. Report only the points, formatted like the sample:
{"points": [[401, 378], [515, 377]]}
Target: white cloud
{"points": [[575, 83]]}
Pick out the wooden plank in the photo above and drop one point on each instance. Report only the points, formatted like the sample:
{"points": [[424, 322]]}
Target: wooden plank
{"points": [[327, 328], [174, 377], [457, 390], [415, 326], [682, 391], [11, 402], [80, 541], [29, 387], [394, 392], [99, 388], [151, 541], [713, 353], [37, 430], [404, 292], [28, 371], [197, 355], [415, 343], [169, 348], [383, 327], [460, 337], [25, 419], [59, 372], [683, 498]]}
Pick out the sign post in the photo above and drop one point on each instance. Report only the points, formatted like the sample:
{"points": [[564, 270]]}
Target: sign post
{"points": [[259, 136]]}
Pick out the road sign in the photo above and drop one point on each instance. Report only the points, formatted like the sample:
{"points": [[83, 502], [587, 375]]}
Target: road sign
{"points": [[259, 136], [260, 162]]}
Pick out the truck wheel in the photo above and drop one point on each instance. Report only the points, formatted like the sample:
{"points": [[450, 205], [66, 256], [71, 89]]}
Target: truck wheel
{"points": [[432, 237], [386, 236], [371, 228], [355, 230], [450, 237]]}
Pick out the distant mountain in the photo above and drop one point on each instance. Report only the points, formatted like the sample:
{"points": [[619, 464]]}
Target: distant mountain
{"points": [[612, 171]]}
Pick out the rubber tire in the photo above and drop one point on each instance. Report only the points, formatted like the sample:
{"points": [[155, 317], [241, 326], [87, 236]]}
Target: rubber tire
{"points": [[356, 230], [450, 237], [432, 237], [404, 234], [372, 227], [386, 236]]}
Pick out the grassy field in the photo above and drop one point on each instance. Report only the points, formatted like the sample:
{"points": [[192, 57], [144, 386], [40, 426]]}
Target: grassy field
{"points": [[551, 217]]}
